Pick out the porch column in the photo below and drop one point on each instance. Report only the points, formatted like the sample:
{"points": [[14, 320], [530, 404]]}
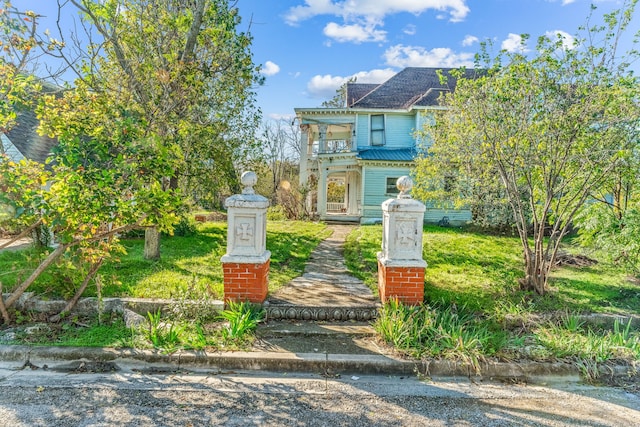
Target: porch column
{"points": [[400, 264], [246, 263], [322, 189], [304, 154], [353, 179]]}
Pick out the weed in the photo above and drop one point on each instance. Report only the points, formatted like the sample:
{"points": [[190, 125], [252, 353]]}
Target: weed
{"points": [[163, 335], [242, 317]]}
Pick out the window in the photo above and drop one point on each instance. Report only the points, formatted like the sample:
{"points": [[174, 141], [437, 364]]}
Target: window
{"points": [[391, 186], [377, 129]]}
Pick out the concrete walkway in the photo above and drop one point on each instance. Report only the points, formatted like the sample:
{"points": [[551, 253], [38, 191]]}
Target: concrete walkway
{"points": [[326, 290]]}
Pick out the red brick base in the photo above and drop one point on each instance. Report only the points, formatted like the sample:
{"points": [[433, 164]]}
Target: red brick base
{"points": [[404, 283], [246, 282]]}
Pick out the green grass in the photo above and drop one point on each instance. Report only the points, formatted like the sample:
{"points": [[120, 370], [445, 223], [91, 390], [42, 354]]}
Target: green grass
{"points": [[189, 266], [481, 272]]}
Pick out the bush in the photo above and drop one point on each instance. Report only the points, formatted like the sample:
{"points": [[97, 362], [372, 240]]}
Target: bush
{"points": [[186, 227], [276, 213]]}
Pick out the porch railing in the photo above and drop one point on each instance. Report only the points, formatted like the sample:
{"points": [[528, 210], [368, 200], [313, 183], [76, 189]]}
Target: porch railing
{"points": [[336, 207]]}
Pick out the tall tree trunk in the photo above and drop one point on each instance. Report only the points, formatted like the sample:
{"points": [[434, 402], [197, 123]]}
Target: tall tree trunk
{"points": [[151, 243]]}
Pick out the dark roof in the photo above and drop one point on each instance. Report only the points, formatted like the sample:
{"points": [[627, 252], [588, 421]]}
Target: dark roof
{"points": [[355, 91], [393, 154], [24, 135], [412, 86]]}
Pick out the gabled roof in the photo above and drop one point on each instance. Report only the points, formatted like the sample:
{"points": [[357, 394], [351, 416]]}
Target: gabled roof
{"points": [[393, 154], [413, 86]]}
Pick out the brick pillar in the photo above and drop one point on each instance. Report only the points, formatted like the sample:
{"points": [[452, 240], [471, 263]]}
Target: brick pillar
{"points": [[400, 264], [246, 263], [404, 283], [246, 282]]}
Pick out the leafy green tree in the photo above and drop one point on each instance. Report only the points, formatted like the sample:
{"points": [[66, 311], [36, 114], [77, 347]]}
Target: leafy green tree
{"points": [[546, 131], [17, 43], [186, 70], [339, 100]]}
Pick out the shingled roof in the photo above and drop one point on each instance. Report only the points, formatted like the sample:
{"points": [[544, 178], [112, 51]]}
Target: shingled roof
{"points": [[413, 86], [356, 91], [25, 138]]}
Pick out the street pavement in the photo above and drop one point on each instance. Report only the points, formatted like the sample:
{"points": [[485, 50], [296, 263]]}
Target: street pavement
{"points": [[143, 394]]}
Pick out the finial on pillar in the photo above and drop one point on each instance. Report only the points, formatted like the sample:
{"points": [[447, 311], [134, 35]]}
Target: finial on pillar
{"points": [[248, 180], [404, 184]]}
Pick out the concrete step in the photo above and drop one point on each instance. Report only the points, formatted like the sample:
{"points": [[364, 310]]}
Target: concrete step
{"points": [[357, 338], [293, 328]]}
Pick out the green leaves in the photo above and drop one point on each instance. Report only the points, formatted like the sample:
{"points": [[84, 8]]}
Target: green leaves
{"points": [[539, 134]]}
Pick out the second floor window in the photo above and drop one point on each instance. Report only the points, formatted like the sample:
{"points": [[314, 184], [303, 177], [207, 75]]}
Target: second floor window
{"points": [[377, 129]]}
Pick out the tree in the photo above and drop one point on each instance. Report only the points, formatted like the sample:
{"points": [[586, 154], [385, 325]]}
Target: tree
{"points": [[549, 129], [339, 100], [17, 43], [186, 71]]}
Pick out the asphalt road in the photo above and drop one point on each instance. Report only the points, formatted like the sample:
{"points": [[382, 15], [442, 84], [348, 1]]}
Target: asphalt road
{"points": [[130, 394]]}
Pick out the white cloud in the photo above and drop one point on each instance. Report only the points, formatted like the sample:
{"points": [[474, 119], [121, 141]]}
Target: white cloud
{"points": [[372, 13], [376, 9], [355, 33], [513, 44], [325, 86], [410, 29], [469, 40], [270, 68], [568, 41], [415, 56]]}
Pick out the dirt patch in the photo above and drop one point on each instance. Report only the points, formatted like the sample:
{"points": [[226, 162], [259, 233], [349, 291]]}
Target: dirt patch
{"points": [[211, 216], [576, 261]]}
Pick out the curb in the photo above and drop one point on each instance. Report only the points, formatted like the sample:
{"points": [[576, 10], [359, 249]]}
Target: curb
{"points": [[327, 364]]}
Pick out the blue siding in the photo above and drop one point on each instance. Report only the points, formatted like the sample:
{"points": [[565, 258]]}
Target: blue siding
{"points": [[362, 130], [375, 185], [399, 130]]}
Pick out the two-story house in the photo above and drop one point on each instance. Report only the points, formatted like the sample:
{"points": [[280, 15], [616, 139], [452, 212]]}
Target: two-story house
{"points": [[351, 157]]}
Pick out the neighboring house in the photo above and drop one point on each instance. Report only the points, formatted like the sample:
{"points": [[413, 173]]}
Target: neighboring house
{"points": [[23, 141], [356, 153]]}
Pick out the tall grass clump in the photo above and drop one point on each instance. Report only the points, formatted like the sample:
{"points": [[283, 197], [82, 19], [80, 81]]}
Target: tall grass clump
{"points": [[439, 330], [242, 319], [571, 339]]}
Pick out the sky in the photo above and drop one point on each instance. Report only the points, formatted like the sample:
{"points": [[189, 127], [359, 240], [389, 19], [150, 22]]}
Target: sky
{"points": [[308, 48]]}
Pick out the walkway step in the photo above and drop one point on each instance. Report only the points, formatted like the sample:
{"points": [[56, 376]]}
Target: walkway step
{"points": [[319, 337], [284, 328]]}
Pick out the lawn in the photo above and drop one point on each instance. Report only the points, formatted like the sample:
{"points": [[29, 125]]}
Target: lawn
{"points": [[481, 271], [189, 267]]}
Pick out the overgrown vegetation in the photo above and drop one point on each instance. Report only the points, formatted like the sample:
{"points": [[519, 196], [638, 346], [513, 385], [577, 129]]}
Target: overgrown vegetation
{"points": [[231, 329], [441, 330], [190, 264], [540, 131], [481, 271]]}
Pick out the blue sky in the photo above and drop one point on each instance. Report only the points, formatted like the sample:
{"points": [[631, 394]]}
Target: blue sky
{"points": [[308, 48]]}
